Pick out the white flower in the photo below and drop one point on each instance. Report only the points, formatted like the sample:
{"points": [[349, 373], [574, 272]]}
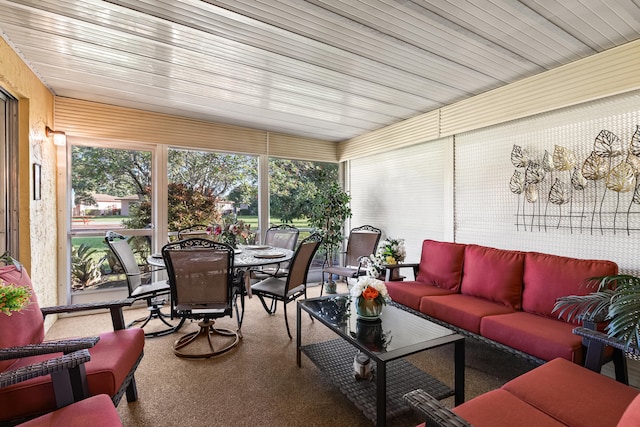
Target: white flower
{"points": [[366, 281]]}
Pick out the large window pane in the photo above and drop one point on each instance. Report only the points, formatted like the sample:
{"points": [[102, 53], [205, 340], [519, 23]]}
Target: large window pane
{"points": [[292, 186], [211, 188], [111, 190]]}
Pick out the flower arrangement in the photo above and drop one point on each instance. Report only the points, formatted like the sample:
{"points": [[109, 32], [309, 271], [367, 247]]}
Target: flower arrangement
{"points": [[13, 298], [390, 252], [370, 289], [231, 232]]}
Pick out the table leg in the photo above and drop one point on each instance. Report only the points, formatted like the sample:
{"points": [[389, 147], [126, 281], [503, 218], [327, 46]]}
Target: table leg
{"points": [[459, 371], [298, 334], [381, 394]]}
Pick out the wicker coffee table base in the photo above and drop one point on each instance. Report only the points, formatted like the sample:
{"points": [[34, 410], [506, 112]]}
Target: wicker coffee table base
{"points": [[335, 358]]}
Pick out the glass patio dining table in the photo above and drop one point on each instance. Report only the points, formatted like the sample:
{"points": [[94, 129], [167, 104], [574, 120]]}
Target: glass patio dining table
{"points": [[246, 258]]}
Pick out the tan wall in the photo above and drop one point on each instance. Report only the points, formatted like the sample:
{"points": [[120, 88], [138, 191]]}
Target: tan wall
{"points": [[37, 229]]}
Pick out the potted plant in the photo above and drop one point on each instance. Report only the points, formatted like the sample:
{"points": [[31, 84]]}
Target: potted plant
{"points": [[616, 300], [329, 210]]}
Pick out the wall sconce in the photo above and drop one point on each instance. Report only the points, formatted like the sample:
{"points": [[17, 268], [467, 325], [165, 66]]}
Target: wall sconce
{"points": [[59, 137]]}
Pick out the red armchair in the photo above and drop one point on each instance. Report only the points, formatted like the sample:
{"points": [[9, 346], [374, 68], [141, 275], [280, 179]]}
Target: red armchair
{"points": [[115, 355]]}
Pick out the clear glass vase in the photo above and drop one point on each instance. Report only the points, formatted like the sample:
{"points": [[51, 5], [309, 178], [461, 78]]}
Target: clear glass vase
{"points": [[368, 309]]}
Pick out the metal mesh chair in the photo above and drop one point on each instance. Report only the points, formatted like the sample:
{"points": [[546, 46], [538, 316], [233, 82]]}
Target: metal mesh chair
{"points": [[362, 242], [155, 293], [279, 236], [201, 281], [288, 289]]}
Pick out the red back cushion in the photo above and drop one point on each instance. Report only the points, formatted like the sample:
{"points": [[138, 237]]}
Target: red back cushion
{"points": [[441, 264], [493, 274], [23, 327], [549, 277]]}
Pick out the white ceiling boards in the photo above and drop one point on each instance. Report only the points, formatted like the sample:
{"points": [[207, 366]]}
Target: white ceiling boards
{"points": [[324, 69]]}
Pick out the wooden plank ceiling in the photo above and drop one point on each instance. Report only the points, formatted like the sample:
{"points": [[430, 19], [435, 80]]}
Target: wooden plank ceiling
{"points": [[326, 69]]}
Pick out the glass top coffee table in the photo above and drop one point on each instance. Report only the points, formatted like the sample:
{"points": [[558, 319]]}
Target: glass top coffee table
{"points": [[396, 334]]}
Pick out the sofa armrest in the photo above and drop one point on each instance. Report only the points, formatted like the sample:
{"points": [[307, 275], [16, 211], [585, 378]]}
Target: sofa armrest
{"points": [[437, 415], [66, 346], [391, 267], [115, 307], [596, 341]]}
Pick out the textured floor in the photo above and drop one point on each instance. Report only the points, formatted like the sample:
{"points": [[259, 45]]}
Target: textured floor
{"points": [[258, 383]]}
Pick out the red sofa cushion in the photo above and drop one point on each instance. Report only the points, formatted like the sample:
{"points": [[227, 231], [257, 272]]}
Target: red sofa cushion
{"points": [[459, 310], [93, 411], [441, 264], [631, 415], [549, 277], [499, 408], [557, 386], [26, 326], [493, 274], [410, 293], [111, 360], [536, 335]]}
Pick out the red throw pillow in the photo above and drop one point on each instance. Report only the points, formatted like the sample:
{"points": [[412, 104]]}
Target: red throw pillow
{"points": [[441, 264], [493, 274]]}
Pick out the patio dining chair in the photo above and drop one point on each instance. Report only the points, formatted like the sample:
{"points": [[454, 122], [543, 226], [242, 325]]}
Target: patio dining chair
{"points": [[362, 242], [196, 230], [155, 294], [278, 236], [202, 288], [294, 285]]}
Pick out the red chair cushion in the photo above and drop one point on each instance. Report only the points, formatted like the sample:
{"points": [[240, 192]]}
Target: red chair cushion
{"points": [[631, 415], [97, 411], [572, 394], [549, 277], [441, 264], [499, 408], [111, 360], [493, 274], [26, 326]]}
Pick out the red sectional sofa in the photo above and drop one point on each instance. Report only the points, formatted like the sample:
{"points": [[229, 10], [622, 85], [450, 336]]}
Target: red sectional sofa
{"points": [[504, 296]]}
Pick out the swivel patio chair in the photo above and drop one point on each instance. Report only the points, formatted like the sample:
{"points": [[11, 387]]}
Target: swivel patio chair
{"points": [[288, 289], [155, 294], [362, 242], [202, 288], [278, 236], [114, 355]]}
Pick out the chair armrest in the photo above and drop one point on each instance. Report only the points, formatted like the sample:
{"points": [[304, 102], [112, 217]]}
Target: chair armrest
{"points": [[437, 415], [65, 346], [117, 318], [46, 367]]}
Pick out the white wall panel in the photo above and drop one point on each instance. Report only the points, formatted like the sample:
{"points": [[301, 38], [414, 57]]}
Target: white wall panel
{"points": [[486, 209], [403, 192]]}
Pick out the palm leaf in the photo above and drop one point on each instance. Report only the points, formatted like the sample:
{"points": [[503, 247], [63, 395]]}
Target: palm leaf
{"points": [[590, 307]]}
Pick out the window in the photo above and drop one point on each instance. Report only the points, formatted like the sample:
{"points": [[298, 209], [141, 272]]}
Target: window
{"points": [[9, 174]]}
